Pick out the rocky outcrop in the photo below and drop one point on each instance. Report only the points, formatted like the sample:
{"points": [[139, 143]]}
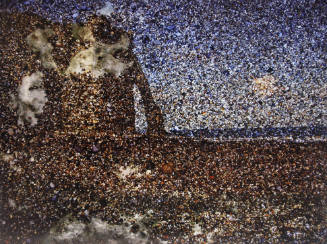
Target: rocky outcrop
{"points": [[84, 67]]}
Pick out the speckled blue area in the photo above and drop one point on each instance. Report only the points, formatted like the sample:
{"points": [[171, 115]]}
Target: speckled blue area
{"points": [[200, 58]]}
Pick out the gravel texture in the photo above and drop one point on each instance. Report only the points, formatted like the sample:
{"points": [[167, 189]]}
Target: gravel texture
{"points": [[225, 69]]}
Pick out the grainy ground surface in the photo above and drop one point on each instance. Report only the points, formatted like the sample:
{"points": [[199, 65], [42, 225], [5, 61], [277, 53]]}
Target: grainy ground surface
{"points": [[259, 191]]}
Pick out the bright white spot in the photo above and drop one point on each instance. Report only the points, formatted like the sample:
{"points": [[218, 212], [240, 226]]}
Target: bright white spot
{"points": [[107, 10], [231, 218], [197, 230]]}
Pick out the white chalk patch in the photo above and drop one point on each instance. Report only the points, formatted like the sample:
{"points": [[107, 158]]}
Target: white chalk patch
{"points": [[71, 230], [6, 157], [38, 42], [99, 225], [31, 99], [98, 60]]}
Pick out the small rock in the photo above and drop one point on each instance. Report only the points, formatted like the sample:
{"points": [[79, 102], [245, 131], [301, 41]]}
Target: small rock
{"points": [[11, 131], [269, 70], [95, 149], [167, 168]]}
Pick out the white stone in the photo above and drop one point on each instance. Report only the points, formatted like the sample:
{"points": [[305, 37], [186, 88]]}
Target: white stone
{"points": [[31, 99]]}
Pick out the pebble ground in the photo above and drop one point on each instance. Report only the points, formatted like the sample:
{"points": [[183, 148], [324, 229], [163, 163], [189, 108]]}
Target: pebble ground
{"points": [[182, 191]]}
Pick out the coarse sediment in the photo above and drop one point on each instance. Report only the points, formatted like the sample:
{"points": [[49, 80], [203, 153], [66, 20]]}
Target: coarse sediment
{"points": [[180, 189]]}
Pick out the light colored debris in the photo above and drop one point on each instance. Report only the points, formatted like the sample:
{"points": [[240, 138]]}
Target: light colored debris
{"points": [[6, 157], [99, 60], [128, 171], [12, 203], [83, 33], [38, 41]]}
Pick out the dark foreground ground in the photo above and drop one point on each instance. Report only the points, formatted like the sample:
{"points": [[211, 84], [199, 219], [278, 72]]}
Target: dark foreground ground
{"points": [[256, 191]]}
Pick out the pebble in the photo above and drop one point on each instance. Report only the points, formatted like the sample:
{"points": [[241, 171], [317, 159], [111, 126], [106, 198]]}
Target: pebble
{"points": [[11, 131], [95, 148]]}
